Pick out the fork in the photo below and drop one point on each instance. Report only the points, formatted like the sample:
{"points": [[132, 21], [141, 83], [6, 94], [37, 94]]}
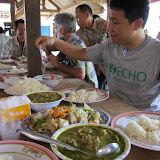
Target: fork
{"points": [[80, 87]]}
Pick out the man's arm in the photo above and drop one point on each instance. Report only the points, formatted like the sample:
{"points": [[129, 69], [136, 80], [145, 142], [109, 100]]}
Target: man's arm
{"points": [[71, 50], [74, 72]]}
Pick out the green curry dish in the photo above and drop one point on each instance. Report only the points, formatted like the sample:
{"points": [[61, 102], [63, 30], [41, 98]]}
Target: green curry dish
{"points": [[90, 139], [43, 97]]}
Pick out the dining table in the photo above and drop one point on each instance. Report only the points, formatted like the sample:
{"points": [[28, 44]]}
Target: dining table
{"points": [[113, 106]]}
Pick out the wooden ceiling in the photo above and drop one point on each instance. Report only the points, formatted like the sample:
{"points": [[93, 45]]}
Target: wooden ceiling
{"points": [[50, 8]]}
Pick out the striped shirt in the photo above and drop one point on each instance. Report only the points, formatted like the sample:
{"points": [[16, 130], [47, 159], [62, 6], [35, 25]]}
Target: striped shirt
{"points": [[12, 47], [90, 73]]}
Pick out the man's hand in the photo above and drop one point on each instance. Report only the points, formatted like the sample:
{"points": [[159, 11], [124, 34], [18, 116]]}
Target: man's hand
{"points": [[14, 57], [44, 41], [1, 77], [54, 60]]}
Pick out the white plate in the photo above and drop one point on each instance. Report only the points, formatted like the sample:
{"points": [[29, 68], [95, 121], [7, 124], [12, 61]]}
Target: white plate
{"points": [[5, 66], [9, 61], [6, 72], [122, 120], [25, 125], [24, 150], [102, 94], [49, 79], [9, 80]]}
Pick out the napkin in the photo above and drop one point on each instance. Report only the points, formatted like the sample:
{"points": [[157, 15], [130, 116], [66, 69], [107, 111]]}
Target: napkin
{"points": [[14, 108], [14, 101]]}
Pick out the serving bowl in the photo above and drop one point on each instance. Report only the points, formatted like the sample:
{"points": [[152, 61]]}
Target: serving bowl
{"points": [[72, 132], [41, 101], [49, 79]]}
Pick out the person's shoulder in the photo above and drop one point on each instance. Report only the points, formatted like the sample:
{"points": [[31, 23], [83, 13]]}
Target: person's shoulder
{"points": [[100, 21], [154, 41]]}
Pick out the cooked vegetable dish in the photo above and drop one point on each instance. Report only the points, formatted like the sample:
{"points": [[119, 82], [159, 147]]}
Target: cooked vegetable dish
{"points": [[90, 139], [61, 116], [43, 97]]}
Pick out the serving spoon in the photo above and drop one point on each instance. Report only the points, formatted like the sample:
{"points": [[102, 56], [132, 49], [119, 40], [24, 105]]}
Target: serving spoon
{"points": [[110, 148], [104, 151]]}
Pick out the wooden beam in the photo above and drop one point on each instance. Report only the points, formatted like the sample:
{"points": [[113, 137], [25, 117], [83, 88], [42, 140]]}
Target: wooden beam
{"points": [[70, 6], [43, 4], [49, 10], [12, 11], [4, 1], [54, 4], [20, 13], [33, 31]]}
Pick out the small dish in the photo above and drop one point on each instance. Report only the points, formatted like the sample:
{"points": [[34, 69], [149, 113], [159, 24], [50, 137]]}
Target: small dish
{"points": [[49, 79]]}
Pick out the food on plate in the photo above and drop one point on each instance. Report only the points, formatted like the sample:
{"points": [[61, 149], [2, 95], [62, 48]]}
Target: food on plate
{"points": [[43, 97], [6, 157], [27, 85], [8, 60], [14, 71], [83, 95], [5, 66], [90, 138], [61, 116], [144, 129]]}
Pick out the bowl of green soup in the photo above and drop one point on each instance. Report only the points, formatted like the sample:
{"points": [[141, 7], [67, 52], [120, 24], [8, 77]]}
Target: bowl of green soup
{"points": [[41, 101], [90, 138]]}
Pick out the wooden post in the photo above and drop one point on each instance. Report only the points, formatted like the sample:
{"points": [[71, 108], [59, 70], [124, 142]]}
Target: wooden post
{"points": [[108, 1], [12, 11], [32, 23]]}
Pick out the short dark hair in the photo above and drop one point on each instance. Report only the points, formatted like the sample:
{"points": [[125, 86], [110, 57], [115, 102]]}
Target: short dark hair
{"points": [[133, 9], [1, 30], [17, 22], [67, 21], [84, 8]]}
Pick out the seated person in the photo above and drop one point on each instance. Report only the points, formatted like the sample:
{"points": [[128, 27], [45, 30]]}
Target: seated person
{"points": [[15, 47], [3, 38], [65, 25]]}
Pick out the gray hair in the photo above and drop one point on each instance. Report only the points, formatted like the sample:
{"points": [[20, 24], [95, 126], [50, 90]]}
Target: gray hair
{"points": [[67, 21]]}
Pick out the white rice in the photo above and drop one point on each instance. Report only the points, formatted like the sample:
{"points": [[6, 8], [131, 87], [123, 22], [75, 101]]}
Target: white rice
{"points": [[84, 95], [28, 85], [6, 157], [144, 129]]}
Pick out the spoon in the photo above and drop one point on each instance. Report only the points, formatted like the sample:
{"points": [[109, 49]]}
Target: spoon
{"points": [[107, 150], [43, 138], [104, 151]]}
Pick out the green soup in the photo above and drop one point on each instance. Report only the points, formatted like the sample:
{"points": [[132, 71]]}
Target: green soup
{"points": [[90, 139], [43, 97]]}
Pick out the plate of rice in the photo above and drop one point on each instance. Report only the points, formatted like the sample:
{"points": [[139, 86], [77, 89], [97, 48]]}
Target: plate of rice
{"points": [[142, 128], [87, 95], [18, 150], [25, 86], [5, 66]]}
